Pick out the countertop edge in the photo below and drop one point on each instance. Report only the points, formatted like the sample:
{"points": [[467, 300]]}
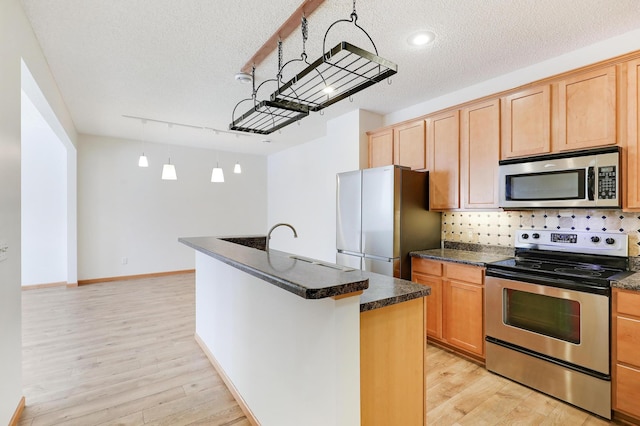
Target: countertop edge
{"points": [[292, 287], [464, 257], [377, 304]]}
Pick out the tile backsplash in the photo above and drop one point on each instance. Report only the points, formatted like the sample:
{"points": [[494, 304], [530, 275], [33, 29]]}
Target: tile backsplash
{"points": [[497, 228]]}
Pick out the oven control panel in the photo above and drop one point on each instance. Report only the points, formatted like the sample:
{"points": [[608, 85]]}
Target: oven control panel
{"points": [[605, 243]]}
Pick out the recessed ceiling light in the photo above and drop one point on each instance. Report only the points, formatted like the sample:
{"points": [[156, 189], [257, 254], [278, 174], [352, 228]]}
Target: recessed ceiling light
{"points": [[243, 77], [421, 38]]}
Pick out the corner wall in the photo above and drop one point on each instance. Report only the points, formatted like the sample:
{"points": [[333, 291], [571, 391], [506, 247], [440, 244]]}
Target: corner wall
{"points": [[17, 42]]}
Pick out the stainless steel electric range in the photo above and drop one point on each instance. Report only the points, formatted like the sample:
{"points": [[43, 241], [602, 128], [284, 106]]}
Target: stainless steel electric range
{"points": [[547, 314]]}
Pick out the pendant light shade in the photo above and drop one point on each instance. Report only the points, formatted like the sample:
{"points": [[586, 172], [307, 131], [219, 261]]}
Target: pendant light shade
{"points": [[169, 171], [217, 175], [142, 161], [237, 169]]}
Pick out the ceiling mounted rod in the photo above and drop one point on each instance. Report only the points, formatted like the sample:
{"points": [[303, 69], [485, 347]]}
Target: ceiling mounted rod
{"points": [[305, 9], [191, 126]]}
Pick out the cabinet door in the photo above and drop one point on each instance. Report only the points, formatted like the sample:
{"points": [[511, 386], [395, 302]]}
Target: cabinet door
{"points": [[632, 179], [409, 145], [443, 155], [587, 110], [463, 320], [434, 303], [628, 339], [381, 148], [480, 143], [526, 122], [627, 388]]}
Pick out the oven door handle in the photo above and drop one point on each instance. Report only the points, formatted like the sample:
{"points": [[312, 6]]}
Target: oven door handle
{"points": [[591, 183], [549, 281]]}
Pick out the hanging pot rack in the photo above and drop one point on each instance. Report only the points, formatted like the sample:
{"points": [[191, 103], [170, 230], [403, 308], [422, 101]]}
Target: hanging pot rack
{"points": [[338, 74]]}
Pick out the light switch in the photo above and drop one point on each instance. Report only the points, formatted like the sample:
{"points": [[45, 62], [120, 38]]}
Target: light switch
{"points": [[4, 250]]}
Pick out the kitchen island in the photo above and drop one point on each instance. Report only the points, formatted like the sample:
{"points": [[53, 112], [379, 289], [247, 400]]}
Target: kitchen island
{"points": [[299, 341]]}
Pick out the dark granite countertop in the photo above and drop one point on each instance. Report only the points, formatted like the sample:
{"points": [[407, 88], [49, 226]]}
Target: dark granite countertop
{"points": [[476, 258], [631, 282], [384, 291], [303, 278]]}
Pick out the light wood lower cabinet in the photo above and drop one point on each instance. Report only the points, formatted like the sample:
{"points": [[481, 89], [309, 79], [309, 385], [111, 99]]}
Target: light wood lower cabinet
{"points": [[455, 310], [392, 365], [626, 352]]}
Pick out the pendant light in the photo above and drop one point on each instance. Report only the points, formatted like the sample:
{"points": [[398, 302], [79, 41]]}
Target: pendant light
{"points": [[237, 169], [217, 175], [169, 170], [142, 161]]}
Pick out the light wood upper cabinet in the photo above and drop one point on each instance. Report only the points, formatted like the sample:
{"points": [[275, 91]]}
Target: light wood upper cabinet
{"points": [[380, 148], [586, 115], [526, 122], [632, 179], [480, 153], [409, 145], [443, 155]]}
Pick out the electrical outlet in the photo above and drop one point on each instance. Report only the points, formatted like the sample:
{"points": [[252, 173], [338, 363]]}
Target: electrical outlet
{"points": [[4, 250], [125, 260]]}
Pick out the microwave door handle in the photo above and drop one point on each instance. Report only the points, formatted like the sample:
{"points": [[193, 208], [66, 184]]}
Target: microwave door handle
{"points": [[591, 182]]}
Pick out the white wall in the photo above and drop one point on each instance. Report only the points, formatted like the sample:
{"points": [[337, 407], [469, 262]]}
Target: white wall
{"points": [[302, 185], [44, 200], [17, 42], [128, 211]]}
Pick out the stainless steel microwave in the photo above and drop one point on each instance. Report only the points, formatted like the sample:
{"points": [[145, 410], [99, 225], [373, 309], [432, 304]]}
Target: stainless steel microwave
{"points": [[588, 178]]}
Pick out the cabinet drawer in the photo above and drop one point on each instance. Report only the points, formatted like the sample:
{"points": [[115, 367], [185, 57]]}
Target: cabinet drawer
{"points": [[627, 390], [470, 274], [629, 303], [628, 339], [426, 266]]}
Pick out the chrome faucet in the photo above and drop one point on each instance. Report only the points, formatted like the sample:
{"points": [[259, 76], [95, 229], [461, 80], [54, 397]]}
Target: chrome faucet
{"points": [[295, 234]]}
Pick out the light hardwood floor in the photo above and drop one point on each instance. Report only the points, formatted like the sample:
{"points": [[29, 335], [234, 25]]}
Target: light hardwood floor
{"points": [[123, 353], [120, 353]]}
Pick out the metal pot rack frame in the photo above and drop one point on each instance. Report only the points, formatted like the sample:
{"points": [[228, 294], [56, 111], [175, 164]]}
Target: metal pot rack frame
{"points": [[346, 69]]}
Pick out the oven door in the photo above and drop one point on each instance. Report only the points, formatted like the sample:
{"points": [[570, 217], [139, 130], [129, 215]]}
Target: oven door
{"points": [[568, 325]]}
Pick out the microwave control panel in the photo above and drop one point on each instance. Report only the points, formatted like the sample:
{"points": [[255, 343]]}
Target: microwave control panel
{"points": [[607, 183]]}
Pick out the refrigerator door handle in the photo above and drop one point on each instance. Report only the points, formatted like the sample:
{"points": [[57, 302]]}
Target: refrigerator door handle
{"points": [[350, 253], [379, 258]]}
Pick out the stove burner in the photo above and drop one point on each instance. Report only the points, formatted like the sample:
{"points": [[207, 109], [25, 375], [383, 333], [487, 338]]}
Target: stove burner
{"points": [[578, 271]]}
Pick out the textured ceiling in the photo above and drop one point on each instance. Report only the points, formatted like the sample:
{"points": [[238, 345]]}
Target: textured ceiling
{"points": [[175, 60]]}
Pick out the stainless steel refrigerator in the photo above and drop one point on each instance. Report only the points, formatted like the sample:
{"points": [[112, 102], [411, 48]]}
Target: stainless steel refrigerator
{"points": [[382, 215]]}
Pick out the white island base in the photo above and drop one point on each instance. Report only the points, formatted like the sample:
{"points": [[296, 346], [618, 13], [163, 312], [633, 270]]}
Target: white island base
{"points": [[289, 360]]}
